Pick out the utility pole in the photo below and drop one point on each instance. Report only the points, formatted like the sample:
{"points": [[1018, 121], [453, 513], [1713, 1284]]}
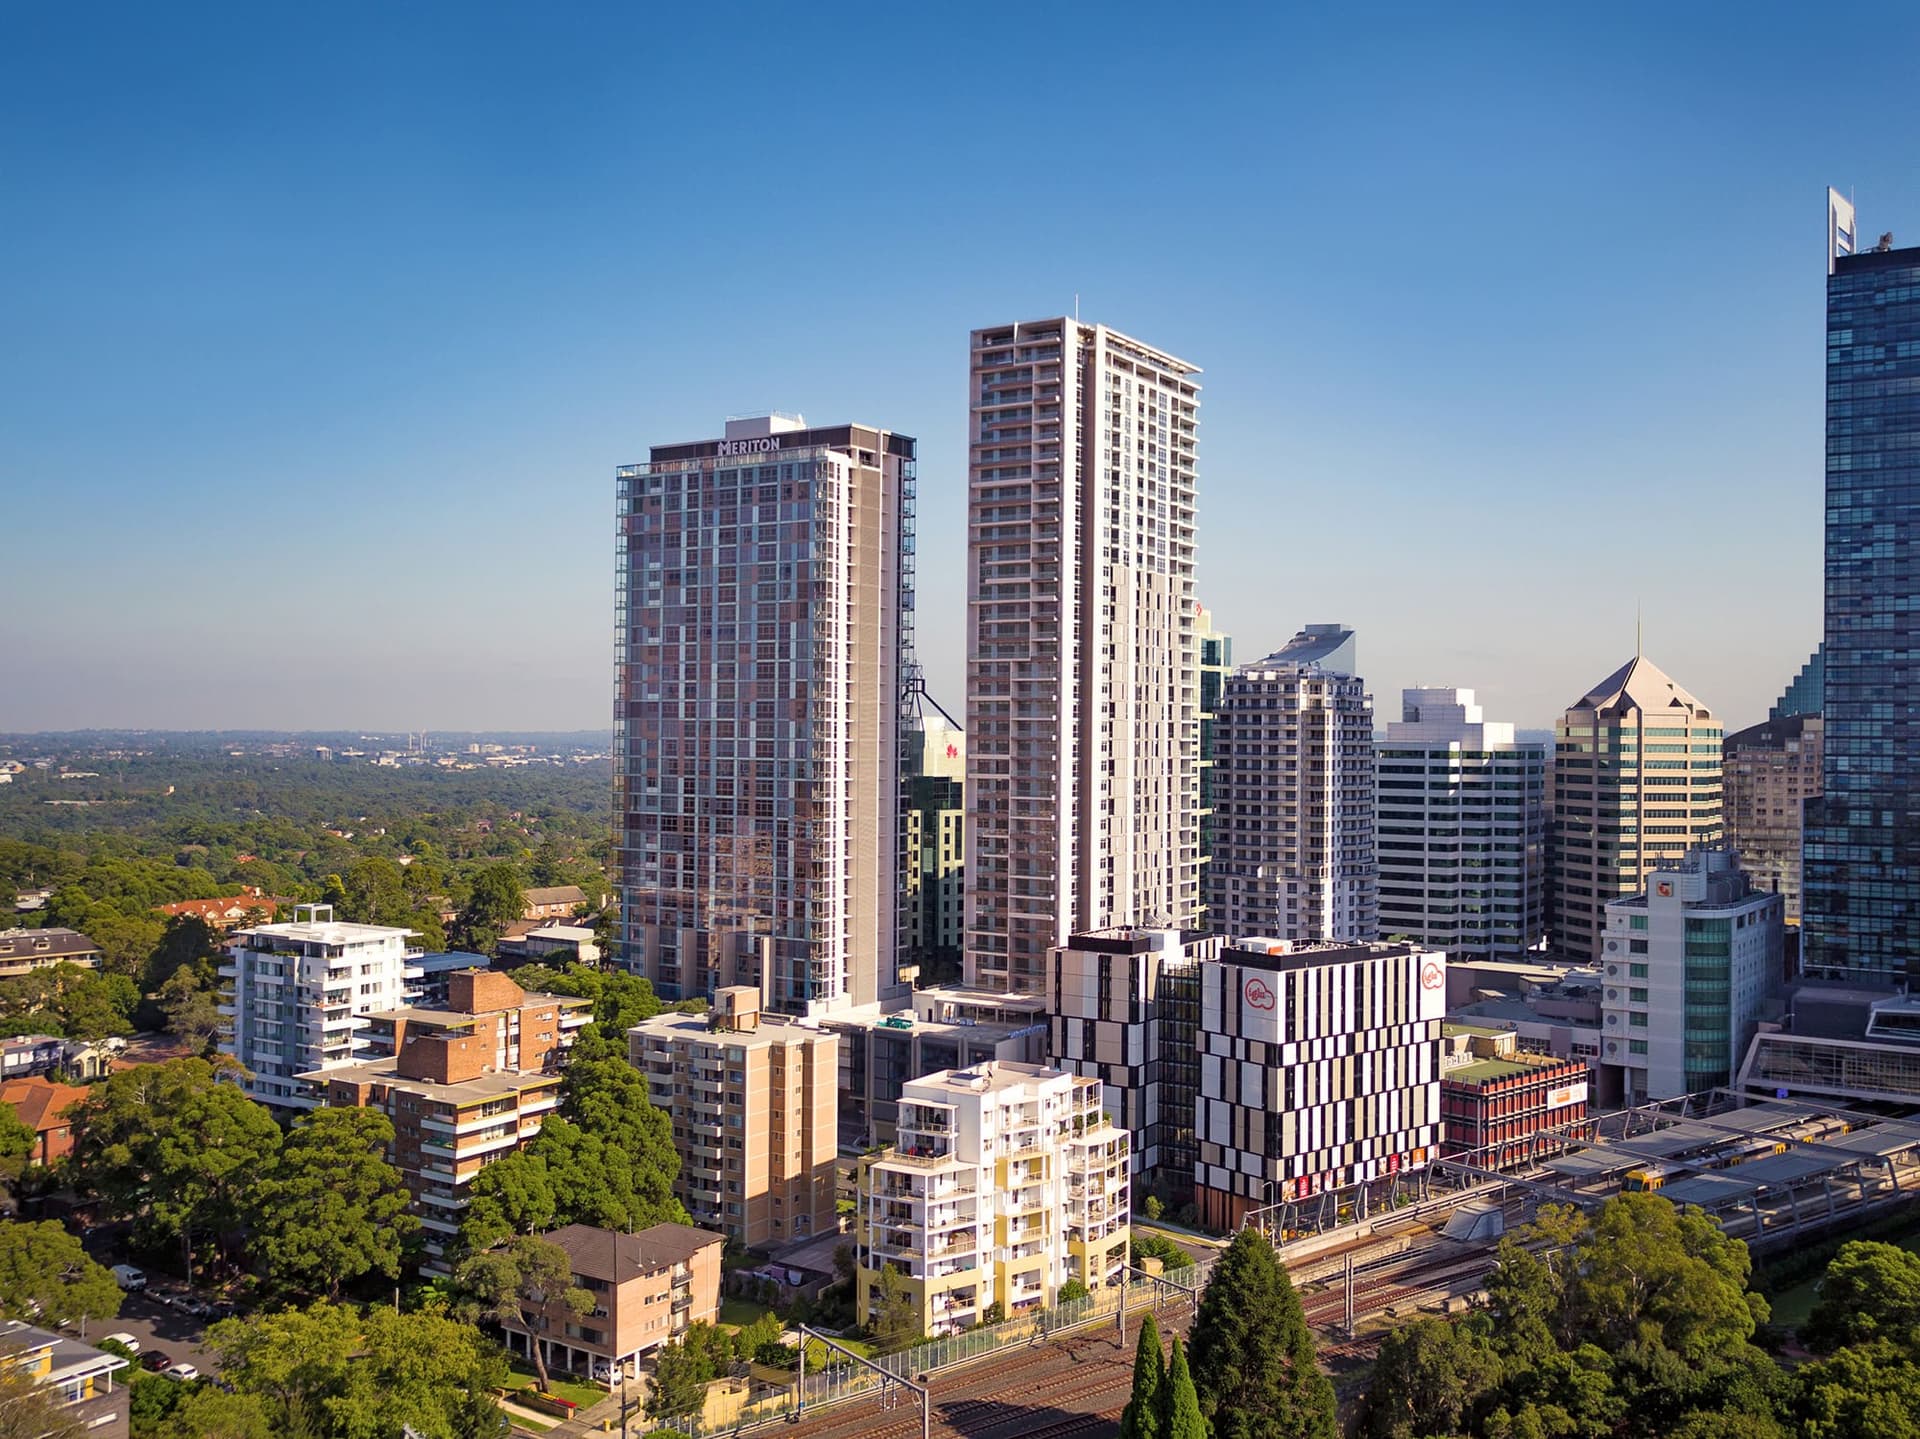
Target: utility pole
{"points": [[1349, 1285], [1126, 1276]]}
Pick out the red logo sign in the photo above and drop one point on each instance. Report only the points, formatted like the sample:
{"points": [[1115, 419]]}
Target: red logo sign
{"points": [[1432, 976], [1259, 993], [953, 751], [1663, 889]]}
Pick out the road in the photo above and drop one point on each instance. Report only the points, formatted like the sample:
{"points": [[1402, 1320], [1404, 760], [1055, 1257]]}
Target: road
{"points": [[174, 1333]]}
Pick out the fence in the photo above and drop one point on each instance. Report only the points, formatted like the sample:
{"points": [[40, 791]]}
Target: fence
{"points": [[843, 1381]]}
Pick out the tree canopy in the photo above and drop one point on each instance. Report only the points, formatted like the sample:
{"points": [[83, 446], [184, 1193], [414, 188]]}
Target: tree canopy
{"points": [[1252, 1353], [47, 1277], [505, 1284], [331, 1209]]}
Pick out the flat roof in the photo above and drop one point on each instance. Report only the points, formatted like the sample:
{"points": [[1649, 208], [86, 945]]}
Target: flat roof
{"points": [[987, 1077], [697, 1029], [467, 1091], [1482, 1070]]}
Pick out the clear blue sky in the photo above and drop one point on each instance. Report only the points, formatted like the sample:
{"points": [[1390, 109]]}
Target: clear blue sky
{"points": [[325, 326]]}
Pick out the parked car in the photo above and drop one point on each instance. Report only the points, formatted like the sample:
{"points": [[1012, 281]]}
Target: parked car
{"points": [[129, 1278], [124, 1338], [184, 1372], [154, 1361]]}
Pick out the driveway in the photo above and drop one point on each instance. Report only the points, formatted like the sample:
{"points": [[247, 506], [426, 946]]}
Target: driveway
{"points": [[170, 1330]]}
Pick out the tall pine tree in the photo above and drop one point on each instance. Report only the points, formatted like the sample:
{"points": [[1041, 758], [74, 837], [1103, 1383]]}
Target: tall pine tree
{"points": [[1182, 1416], [1253, 1359], [1141, 1418]]}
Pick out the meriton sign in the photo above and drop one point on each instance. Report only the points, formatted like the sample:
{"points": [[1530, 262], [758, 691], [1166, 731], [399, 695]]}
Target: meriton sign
{"points": [[763, 446]]}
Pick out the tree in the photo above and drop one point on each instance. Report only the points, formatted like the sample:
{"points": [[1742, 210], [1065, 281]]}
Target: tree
{"points": [[47, 1277], [97, 1006], [511, 1196], [683, 1370], [1181, 1417], [331, 1371], [607, 1098], [211, 1414], [191, 1006], [188, 942], [172, 1147], [510, 1286], [28, 1411], [373, 892], [1871, 1291], [331, 1208], [1430, 1377], [1868, 1391], [1141, 1418], [495, 899], [1253, 1356], [894, 1319], [1073, 1291], [17, 1143]]}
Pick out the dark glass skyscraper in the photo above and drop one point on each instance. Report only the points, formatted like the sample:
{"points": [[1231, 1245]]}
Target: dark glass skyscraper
{"points": [[1861, 904]]}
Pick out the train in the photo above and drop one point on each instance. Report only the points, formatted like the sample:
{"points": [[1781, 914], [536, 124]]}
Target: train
{"points": [[1650, 1177]]}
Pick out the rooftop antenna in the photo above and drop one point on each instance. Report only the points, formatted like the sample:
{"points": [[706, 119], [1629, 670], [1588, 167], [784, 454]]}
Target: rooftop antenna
{"points": [[1639, 629], [1076, 307]]}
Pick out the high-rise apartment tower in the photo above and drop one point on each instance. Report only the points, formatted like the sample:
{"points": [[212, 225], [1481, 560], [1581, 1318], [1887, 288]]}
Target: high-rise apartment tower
{"points": [[765, 641], [1861, 881], [1082, 710], [1293, 849]]}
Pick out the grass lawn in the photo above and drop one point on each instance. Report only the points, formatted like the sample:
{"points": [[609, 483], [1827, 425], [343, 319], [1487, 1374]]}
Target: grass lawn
{"points": [[740, 1312], [584, 1395], [1792, 1305]]}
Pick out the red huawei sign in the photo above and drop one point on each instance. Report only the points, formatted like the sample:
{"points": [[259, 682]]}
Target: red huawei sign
{"points": [[953, 751], [1259, 994]]}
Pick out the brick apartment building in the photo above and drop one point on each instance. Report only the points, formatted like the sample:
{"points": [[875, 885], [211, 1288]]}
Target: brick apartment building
{"points": [[1495, 1100], [462, 1085], [647, 1289]]}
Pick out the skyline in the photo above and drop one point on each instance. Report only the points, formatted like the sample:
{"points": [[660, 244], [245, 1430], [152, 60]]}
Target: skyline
{"points": [[335, 360]]}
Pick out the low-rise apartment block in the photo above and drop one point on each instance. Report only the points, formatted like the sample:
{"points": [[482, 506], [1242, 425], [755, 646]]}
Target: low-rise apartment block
{"points": [[647, 1289], [463, 1085], [79, 1377], [22, 951], [1008, 1181], [753, 1100]]}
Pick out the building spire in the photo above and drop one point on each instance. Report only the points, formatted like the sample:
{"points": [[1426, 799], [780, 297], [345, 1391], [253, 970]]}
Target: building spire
{"points": [[1639, 628]]}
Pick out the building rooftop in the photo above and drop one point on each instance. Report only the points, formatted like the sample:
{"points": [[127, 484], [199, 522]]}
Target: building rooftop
{"points": [[44, 943], [315, 924], [71, 1359], [612, 1256], [40, 1103], [1262, 952], [698, 1028], [468, 1091], [1332, 647], [1643, 685], [993, 1076], [556, 894], [1482, 1070]]}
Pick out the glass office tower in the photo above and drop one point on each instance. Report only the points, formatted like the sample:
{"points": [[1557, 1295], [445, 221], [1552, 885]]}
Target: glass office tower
{"points": [[1861, 882]]}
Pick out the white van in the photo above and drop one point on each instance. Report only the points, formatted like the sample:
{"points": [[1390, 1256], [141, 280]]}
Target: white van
{"points": [[129, 1278]]}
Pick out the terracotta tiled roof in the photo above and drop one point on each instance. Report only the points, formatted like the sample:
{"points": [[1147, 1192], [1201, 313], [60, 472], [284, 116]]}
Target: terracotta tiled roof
{"points": [[40, 1103]]}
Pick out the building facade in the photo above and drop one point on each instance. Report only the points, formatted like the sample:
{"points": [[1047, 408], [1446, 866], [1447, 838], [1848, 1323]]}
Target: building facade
{"points": [[1636, 784], [1768, 772], [765, 639], [1082, 705], [1216, 664], [753, 1099], [1124, 1008], [1008, 1181], [936, 895], [79, 1378], [1294, 854], [1461, 815], [1499, 1103], [1689, 964], [464, 1085], [22, 951], [296, 996], [648, 1288], [1319, 1069], [881, 1051], [1861, 886]]}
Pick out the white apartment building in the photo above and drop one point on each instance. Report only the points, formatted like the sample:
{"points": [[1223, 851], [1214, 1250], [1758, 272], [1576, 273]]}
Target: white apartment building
{"points": [[1690, 963], [1293, 836], [294, 997], [764, 618], [1319, 1069], [1461, 819], [1082, 703], [1008, 1180]]}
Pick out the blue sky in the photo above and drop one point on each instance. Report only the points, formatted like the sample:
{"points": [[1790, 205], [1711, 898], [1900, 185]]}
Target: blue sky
{"points": [[326, 326]]}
